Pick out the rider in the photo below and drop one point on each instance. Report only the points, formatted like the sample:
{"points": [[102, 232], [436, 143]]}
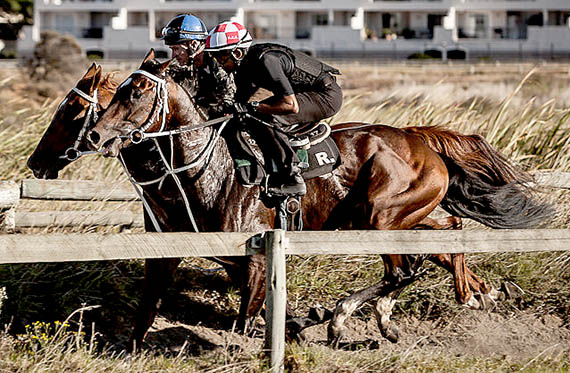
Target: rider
{"points": [[304, 92], [186, 34]]}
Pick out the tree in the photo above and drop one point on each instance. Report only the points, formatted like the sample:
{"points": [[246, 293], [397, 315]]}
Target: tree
{"points": [[13, 15], [16, 7]]}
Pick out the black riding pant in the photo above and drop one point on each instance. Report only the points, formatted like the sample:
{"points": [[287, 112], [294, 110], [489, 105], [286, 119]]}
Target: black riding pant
{"points": [[321, 101]]}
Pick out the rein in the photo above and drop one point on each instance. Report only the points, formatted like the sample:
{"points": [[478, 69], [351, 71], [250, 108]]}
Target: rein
{"points": [[140, 134], [73, 153]]}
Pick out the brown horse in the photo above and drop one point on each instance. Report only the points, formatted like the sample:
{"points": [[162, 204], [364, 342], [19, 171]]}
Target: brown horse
{"points": [[390, 179], [64, 141]]}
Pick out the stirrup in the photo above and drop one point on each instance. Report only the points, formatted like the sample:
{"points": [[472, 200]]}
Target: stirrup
{"points": [[289, 214]]}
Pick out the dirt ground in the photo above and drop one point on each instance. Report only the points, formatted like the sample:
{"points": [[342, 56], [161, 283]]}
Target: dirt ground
{"points": [[476, 334], [198, 315]]}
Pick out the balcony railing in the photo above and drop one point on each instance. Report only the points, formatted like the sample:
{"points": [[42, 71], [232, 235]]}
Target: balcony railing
{"points": [[79, 32]]}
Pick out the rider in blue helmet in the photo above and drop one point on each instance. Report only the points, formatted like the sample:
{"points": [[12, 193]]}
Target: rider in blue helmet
{"points": [[186, 35]]}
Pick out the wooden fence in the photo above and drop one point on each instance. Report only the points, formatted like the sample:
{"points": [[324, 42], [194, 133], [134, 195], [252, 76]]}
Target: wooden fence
{"points": [[32, 248], [66, 190], [77, 190]]}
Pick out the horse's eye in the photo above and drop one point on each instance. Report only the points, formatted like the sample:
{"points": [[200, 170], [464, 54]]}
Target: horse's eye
{"points": [[137, 94]]}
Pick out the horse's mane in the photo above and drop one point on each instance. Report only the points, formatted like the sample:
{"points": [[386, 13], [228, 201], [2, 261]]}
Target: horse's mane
{"points": [[185, 76], [108, 82]]}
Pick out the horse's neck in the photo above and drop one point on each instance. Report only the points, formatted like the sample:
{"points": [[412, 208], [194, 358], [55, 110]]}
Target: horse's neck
{"points": [[207, 182], [214, 175]]}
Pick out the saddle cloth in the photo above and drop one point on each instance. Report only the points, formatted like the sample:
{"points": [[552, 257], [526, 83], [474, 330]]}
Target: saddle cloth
{"points": [[317, 151]]}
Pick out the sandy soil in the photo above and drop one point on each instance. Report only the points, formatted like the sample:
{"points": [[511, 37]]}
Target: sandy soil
{"points": [[477, 334]]}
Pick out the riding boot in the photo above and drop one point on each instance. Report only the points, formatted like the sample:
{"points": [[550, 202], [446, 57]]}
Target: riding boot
{"points": [[292, 185]]}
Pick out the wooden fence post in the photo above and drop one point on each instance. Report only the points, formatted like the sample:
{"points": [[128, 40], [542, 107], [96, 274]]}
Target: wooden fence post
{"points": [[276, 298]]}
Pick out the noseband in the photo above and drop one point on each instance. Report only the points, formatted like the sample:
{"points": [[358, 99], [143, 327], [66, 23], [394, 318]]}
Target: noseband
{"points": [[73, 153]]}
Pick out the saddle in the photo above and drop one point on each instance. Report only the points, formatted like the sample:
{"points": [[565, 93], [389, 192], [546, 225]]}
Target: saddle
{"points": [[317, 151]]}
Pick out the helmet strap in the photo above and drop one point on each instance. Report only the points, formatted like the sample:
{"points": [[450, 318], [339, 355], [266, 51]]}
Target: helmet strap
{"points": [[198, 51]]}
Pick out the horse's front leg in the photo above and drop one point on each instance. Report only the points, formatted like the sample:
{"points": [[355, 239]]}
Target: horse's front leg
{"points": [[157, 277], [252, 291]]}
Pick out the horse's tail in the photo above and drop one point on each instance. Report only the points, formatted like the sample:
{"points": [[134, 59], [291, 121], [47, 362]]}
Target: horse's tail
{"points": [[483, 184]]}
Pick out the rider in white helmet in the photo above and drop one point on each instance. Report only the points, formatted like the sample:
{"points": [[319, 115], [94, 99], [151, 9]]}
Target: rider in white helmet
{"points": [[186, 35], [304, 92]]}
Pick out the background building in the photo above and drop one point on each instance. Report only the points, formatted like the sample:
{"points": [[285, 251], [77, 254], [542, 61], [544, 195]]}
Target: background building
{"points": [[333, 28]]}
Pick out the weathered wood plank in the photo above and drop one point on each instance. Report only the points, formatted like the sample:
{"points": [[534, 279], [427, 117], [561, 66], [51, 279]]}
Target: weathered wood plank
{"points": [[427, 242], [275, 299], [9, 194], [42, 248], [79, 190], [553, 179], [77, 218], [26, 248]]}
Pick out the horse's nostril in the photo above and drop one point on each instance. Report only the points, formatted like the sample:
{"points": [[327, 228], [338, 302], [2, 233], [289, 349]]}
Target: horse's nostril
{"points": [[94, 137]]}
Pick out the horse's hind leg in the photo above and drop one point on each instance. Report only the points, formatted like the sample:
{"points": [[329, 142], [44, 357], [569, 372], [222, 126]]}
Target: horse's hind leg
{"points": [[466, 282], [448, 223], [400, 271]]}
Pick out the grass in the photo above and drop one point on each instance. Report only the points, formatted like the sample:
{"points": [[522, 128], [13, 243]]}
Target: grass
{"points": [[523, 110]]}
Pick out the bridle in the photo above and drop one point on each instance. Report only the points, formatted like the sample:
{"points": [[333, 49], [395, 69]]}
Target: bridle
{"points": [[138, 135], [73, 153]]}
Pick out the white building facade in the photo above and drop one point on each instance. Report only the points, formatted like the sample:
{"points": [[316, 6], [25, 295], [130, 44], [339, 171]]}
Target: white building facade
{"points": [[333, 28]]}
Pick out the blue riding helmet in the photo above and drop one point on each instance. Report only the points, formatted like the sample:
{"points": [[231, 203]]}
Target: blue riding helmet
{"points": [[182, 28]]}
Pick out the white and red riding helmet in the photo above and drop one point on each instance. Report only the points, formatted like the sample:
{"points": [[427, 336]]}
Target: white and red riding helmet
{"points": [[228, 35]]}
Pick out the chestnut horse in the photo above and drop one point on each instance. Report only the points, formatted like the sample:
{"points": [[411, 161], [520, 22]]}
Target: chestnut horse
{"points": [[390, 179], [63, 141]]}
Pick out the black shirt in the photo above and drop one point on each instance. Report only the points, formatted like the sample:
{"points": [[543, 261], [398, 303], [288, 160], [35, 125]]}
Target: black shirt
{"points": [[270, 72]]}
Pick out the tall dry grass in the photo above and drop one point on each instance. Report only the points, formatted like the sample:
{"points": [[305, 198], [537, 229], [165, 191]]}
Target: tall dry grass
{"points": [[522, 110]]}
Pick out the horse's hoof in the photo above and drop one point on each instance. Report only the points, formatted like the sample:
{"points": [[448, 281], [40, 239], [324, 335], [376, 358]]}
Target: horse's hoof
{"points": [[485, 301], [294, 328], [473, 303], [247, 327], [497, 295], [320, 314], [391, 332], [512, 290], [335, 335]]}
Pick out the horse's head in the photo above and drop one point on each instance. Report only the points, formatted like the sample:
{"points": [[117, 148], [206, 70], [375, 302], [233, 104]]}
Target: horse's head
{"points": [[63, 140], [140, 104]]}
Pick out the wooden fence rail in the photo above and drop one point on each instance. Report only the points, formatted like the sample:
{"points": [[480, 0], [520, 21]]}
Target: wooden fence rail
{"points": [[83, 190], [29, 248], [66, 190]]}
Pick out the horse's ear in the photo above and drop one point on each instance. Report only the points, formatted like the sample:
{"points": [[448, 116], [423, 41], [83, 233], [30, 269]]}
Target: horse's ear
{"points": [[91, 71], [165, 65], [90, 80], [149, 56], [97, 78]]}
